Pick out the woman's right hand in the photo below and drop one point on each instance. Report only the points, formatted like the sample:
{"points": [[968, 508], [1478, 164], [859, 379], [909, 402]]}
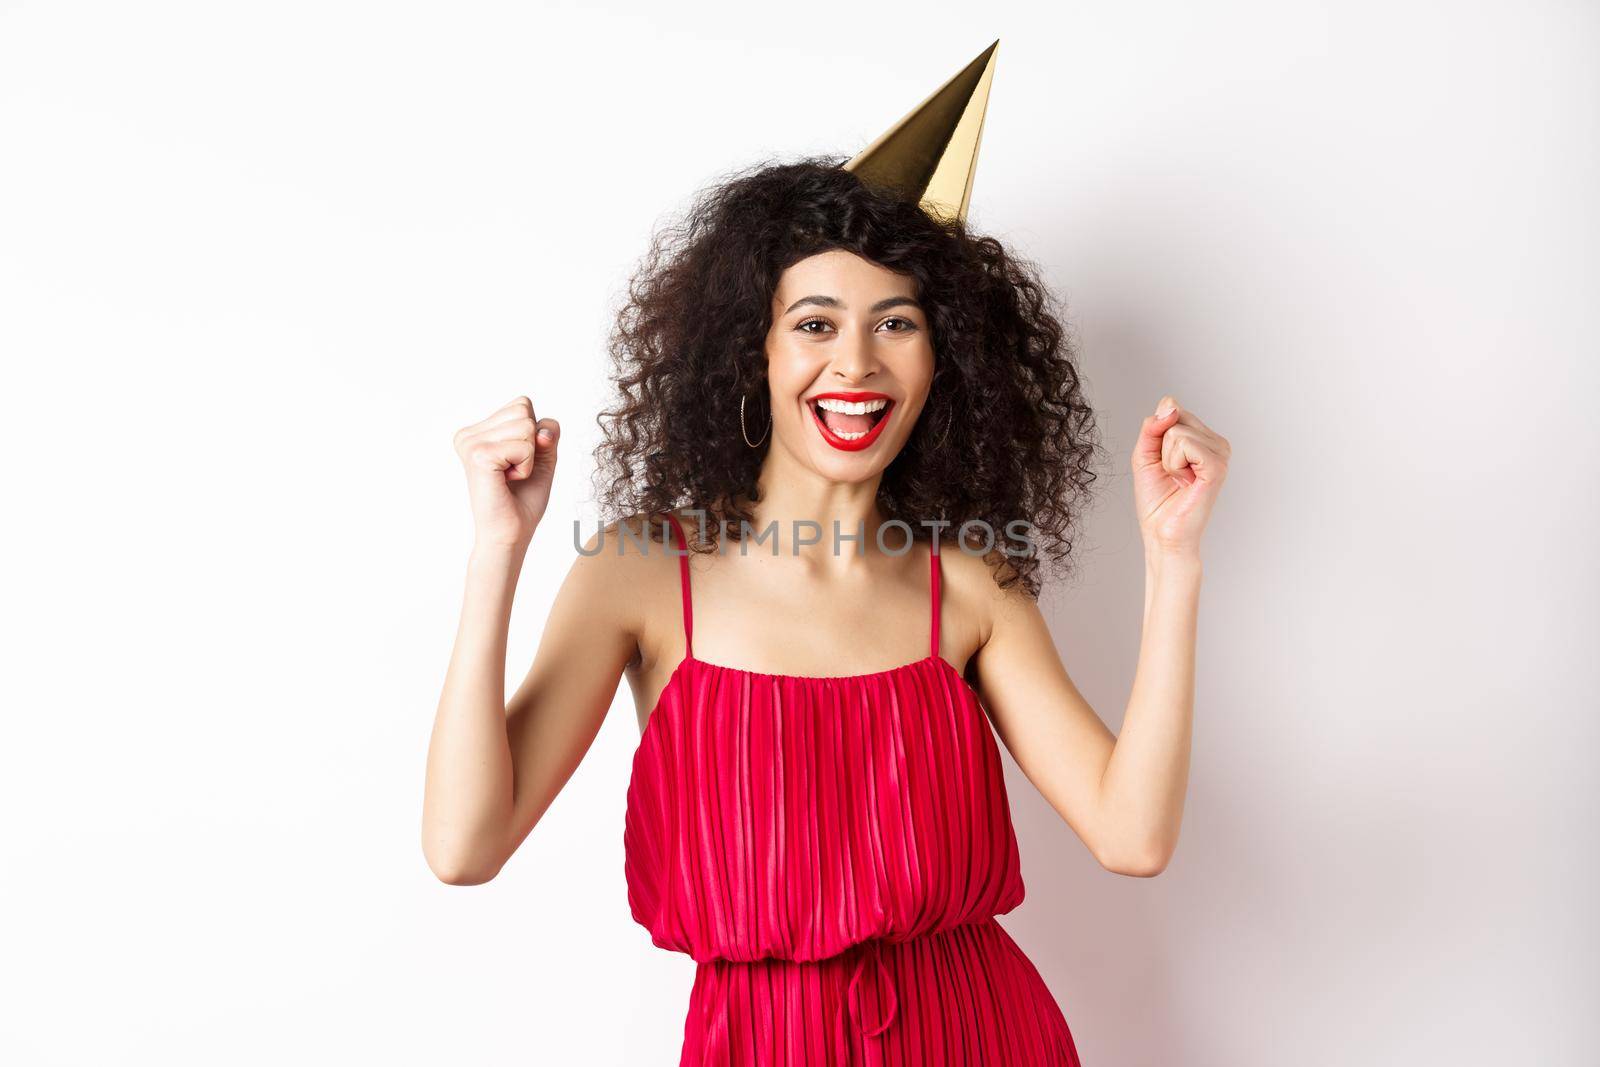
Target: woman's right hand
{"points": [[510, 460]]}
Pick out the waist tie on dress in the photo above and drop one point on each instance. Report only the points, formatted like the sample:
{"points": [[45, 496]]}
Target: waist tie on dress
{"points": [[841, 1039]]}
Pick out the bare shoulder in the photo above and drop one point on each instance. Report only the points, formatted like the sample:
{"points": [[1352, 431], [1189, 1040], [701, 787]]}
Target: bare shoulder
{"points": [[974, 603], [624, 571], [613, 565]]}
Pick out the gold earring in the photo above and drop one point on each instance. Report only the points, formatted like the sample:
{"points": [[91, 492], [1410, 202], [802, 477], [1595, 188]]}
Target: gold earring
{"points": [[746, 433]]}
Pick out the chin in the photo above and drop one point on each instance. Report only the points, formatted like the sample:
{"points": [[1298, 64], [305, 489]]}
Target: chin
{"points": [[845, 471]]}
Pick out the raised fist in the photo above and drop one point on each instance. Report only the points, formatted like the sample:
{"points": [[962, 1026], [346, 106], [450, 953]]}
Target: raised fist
{"points": [[1179, 465], [510, 460]]}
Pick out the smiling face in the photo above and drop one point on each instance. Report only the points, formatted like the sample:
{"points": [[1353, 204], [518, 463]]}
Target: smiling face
{"points": [[849, 364]]}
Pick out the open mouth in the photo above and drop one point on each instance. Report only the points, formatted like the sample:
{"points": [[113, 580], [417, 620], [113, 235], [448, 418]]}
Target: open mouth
{"points": [[850, 421]]}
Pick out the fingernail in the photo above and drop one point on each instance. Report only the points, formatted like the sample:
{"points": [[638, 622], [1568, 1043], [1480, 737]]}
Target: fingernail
{"points": [[1166, 408], [544, 433]]}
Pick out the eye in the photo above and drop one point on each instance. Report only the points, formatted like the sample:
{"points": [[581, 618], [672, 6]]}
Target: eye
{"points": [[906, 325]]}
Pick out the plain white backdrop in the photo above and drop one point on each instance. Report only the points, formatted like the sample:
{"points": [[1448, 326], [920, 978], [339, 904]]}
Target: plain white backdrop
{"points": [[259, 261]]}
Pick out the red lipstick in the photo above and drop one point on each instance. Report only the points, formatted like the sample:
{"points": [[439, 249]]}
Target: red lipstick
{"points": [[846, 444]]}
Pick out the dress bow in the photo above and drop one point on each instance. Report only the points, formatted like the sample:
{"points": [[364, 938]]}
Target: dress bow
{"points": [[874, 947]]}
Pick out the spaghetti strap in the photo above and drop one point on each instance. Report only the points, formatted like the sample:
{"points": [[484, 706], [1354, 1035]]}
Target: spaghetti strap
{"points": [[683, 581], [933, 586]]}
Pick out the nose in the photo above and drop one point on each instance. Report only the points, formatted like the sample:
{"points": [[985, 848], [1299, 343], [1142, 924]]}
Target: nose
{"points": [[855, 359]]}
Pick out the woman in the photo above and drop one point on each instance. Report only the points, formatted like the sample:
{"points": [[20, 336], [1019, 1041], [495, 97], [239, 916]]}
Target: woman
{"points": [[817, 812]]}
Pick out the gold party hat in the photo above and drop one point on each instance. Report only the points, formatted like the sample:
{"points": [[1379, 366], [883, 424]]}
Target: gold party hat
{"points": [[931, 154]]}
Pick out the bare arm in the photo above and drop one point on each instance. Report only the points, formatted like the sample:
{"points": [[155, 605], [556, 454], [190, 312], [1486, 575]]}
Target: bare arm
{"points": [[1122, 795], [466, 797], [494, 768]]}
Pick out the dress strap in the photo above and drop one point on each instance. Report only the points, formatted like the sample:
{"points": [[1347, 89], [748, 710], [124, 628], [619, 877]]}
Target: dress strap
{"points": [[933, 586], [683, 581]]}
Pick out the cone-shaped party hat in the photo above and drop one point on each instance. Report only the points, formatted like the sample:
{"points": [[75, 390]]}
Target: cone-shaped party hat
{"points": [[931, 154]]}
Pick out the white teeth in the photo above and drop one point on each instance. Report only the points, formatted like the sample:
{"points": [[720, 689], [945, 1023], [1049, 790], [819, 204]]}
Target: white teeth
{"points": [[848, 436], [845, 407]]}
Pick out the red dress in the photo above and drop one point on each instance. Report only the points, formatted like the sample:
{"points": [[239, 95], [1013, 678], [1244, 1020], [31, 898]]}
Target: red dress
{"points": [[833, 852]]}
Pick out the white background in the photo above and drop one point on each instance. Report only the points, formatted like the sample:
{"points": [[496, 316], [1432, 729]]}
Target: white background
{"points": [[259, 261]]}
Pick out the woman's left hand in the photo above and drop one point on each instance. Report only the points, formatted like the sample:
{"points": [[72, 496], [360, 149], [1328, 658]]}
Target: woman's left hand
{"points": [[1179, 464]]}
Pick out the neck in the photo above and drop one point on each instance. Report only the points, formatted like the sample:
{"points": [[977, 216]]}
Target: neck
{"points": [[794, 496]]}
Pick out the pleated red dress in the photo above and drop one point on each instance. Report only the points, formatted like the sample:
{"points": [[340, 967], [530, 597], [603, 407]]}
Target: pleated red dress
{"points": [[833, 852]]}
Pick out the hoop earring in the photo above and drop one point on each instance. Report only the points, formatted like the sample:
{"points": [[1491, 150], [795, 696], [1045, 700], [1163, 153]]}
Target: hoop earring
{"points": [[746, 433]]}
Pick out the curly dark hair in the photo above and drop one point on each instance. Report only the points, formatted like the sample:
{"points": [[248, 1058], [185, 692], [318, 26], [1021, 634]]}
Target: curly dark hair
{"points": [[1006, 432]]}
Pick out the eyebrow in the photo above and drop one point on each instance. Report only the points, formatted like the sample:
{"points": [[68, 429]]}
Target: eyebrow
{"points": [[834, 302]]}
